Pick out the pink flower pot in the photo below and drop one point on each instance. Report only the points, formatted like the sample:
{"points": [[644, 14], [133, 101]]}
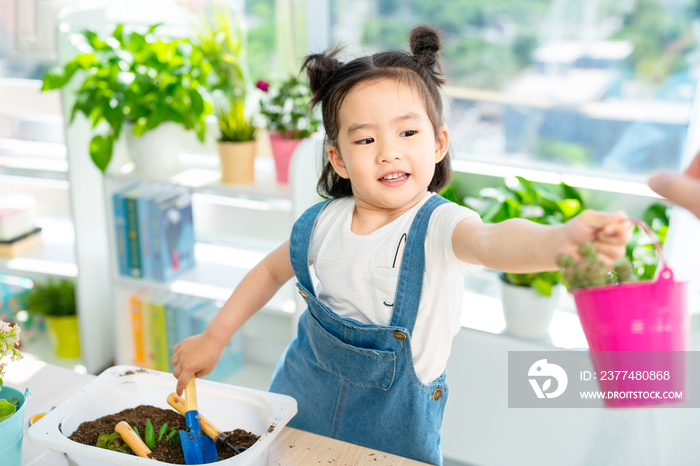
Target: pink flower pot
{"points": [[636, 327], [282, 150]]}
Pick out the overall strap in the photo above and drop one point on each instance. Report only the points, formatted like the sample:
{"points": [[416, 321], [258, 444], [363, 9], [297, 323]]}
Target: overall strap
{"points": [[408, 288], [299, 244]]}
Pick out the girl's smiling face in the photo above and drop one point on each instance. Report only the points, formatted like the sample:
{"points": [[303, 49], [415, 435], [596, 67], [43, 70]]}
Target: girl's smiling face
{"points": [[386, 145]]}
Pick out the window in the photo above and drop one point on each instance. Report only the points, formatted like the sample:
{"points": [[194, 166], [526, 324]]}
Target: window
{"points": [[602, 88]]}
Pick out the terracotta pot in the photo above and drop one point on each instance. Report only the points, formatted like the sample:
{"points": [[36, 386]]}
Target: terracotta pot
{"points": [[237, 162], [282, 150]]}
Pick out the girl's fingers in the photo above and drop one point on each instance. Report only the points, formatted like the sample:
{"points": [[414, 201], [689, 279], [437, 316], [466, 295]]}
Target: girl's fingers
{"points": [[182, 381], [616, 239], [610, 251], [617, 225]]}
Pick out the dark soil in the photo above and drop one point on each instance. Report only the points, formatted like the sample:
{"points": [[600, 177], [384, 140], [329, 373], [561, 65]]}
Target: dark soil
{"points": [[88, 432]]}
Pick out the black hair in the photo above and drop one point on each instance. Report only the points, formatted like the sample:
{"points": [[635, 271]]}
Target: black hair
{"points": [[331, 80]]}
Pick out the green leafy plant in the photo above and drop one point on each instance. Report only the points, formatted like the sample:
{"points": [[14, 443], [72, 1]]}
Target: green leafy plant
{"points": [[149, 434], [173, 438], [589, 270], [52, 298], [112, 442], [8, 408], [286, 108], [544, 204], [640, 249], [222, 44], [135, 78], [9, 341]]}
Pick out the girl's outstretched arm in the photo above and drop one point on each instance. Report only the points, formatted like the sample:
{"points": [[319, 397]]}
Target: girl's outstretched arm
{"points": [[521, 246], [198, 355]]}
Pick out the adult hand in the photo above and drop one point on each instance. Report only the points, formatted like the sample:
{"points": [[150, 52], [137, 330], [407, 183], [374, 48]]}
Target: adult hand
{"points": [[683, 190]]}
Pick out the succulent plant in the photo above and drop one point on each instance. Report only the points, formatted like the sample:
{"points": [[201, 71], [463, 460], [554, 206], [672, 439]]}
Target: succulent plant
{"points": [[112, 442], [590, 270]]}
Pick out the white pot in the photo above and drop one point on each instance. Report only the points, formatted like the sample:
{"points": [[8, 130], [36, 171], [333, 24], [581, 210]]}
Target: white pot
{"points": [[155, 153], [527, 312], [120, 387]]}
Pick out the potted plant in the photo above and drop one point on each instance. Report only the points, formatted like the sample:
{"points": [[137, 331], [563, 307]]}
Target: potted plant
{"points": [[12, 401], [242, 416], [626, 320], [55, 300], [221, 42], [289, 119], [141, 82], [529, 300]]}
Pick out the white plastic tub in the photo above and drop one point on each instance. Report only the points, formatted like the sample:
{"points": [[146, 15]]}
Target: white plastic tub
{"points": [[227, 406]]}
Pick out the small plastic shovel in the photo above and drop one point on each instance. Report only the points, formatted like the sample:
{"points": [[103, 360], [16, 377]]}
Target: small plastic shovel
{"points": [[198, 449]]}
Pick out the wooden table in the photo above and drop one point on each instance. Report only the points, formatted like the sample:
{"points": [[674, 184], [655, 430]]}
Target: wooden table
{"points": [[50, 385]]}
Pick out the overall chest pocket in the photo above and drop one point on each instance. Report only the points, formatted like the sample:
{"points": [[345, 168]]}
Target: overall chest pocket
{"points": [[384, 293], [360, 366]]}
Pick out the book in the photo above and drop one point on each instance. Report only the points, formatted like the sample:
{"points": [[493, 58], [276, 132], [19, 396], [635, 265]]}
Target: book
{"points": [[121, 232], [136, 312], [144, 231], [132, 228], [158, 331], [23, 244], [147, 322], [173, 233]]}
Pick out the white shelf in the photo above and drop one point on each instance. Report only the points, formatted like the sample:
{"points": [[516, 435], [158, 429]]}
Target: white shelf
{"points": [[485, 313], [200, 172], [39, 347], [56, 255], [594, 182], [217, 272]]}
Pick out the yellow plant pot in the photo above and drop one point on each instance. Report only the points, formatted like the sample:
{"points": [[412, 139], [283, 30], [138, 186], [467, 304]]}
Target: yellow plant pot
{"points": [[237, 162], [64, 336]]}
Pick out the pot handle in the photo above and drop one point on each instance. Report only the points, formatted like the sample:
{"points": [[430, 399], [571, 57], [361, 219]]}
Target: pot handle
{"points": [[664, 272]]}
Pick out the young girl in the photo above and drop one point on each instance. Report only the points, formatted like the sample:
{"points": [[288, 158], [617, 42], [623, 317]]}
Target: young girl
{"points": [[368, 363]]}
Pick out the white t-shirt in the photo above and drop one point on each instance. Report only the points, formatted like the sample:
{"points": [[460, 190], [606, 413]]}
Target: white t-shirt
{"points": [[357, 276]]}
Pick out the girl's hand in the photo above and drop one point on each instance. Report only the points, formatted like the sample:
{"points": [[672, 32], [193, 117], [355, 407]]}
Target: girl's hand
{"points": [[609, 233], [195, 355]]}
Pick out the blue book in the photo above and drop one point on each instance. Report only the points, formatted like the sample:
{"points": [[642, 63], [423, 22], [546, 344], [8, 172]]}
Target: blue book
{"points": [[173, 235], [145, 234], [121, 233], [132, 225]]}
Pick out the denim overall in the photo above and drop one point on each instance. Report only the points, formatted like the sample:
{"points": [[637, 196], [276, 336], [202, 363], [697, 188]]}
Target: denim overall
{"points": [[356, 382]]}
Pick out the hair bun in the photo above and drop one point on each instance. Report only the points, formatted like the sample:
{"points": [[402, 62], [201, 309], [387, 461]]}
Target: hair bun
{"points": [[319, 68], [425, 44]]}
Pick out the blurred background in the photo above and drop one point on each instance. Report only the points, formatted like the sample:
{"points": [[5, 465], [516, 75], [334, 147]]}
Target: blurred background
{"points": [[553, 106]]}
